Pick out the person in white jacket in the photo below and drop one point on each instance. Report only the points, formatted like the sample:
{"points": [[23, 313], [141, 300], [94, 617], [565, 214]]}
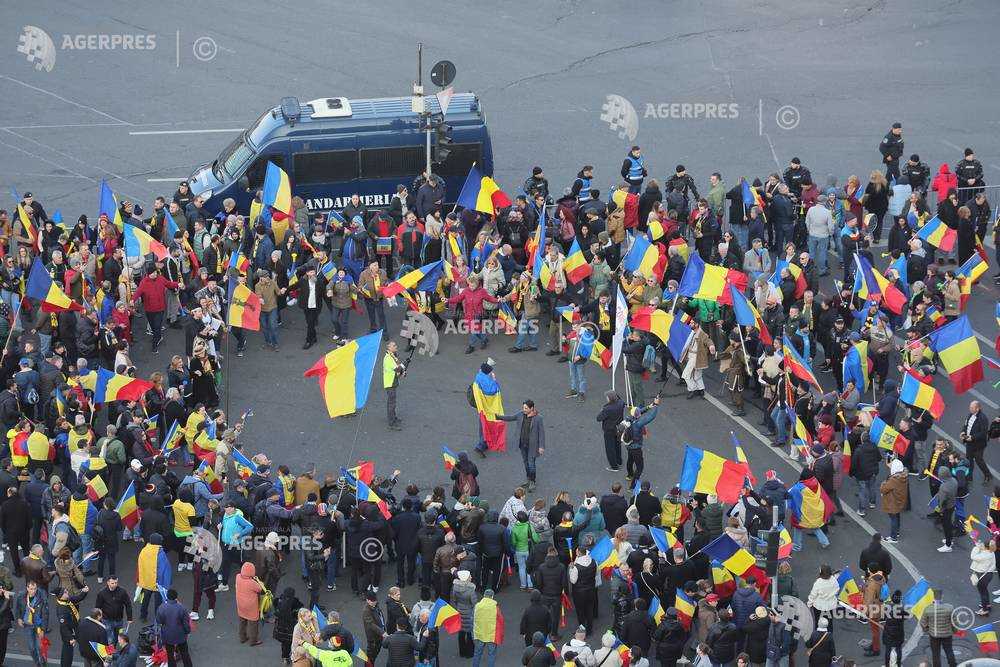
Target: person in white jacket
{"points": [[983, 563], [823, 596], [578, 645], [607, 655]]}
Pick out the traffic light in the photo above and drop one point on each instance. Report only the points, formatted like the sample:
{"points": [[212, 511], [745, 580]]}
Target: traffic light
{"points": [[773, 540], [442, 135]]}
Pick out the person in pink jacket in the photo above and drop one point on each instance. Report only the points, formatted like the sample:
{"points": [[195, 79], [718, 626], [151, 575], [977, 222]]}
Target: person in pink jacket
{"points": [[472, 299], [248, 592]]}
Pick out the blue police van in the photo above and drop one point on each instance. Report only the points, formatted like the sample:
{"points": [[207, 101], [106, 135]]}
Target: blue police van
{"points": [[335, 147]]}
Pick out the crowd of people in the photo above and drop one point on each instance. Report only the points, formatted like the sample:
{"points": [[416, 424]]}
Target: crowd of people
{"points": [[71, 463]]}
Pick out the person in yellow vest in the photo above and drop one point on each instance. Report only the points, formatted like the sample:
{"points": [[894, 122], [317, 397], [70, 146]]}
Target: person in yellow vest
{"points": [[17, 442], [81, 435], [94, 466], [152, 573], [194, 420], [41, 453], [285, 484], [392, 370]]}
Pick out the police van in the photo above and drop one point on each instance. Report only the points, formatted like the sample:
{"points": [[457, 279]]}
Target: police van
{"points": [[332, 148]]}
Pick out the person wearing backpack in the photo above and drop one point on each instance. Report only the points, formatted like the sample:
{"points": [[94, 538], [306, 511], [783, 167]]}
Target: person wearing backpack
{"points": [[27, 380], [465, 473], [632, 436], [113, 452]]}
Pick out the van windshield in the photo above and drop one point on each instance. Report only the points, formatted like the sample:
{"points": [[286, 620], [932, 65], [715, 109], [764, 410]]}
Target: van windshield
{"points": [[232, 160]]}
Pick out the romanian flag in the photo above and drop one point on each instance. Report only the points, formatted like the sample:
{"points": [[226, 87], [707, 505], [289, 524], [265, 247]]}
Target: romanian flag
{"points": [[705, 472], [96, 489], [108, 386], [723, 582], [127, 508], [849, 594], [457, 244], [29, 226], [796, 272], [869, 284], [443, 615], [365, 471], [938, 234], [244, 308], [139, 244], [109, 206], [986, 635], [172, 440], [784, 543], [798, 366], [103, 651], [593, 349], [208, 473], [673, 330], [917, 598], [685, 609], [969, 273], [276, 194], [481, 193], [708, 281], [751, 197], [575, 265], [535, 247], [956, 345], [424, 279], [811, 507], [365, 494], [656, 611], [856, 365], [170, 224], [936, 317], [239, 261], [489, 404], [443, 522], [741, 458], [82, 514], [40, 286], [747, 315], [605, 555], [643, 258], [921, 395], [244, 466], [565, 606], [450, 458], [734, 558], [345, 374], [664, 540], [506, 317]]}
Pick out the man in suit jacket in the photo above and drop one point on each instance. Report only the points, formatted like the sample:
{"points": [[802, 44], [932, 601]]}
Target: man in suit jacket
{"points": [[370, 282], [312, 288], [975, 435], [530, 438]]}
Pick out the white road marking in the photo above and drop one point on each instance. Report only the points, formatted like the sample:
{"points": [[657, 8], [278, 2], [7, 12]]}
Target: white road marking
{"points": [[166, 180], [64, 99], [214, 131], [951, 145]]}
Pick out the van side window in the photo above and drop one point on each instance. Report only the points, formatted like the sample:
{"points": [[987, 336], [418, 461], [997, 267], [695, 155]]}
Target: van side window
{"points": [[398, 162], [256, 171], [325, 167]]}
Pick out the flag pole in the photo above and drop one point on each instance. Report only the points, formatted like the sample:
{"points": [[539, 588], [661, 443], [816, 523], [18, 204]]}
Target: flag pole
{"points": [[746, 361], [453, 208], [6, 346]]}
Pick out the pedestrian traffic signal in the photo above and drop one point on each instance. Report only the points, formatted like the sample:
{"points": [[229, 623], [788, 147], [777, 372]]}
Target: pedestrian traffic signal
{"points": [[442, 136], [773, 540]]}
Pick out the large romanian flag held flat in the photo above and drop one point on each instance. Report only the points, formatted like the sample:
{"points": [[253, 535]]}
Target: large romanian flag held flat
{"points": [[796, 365], [40, 286], [443, 615], [869, 284], [139, 244], [886, 437], [734, 558], [108, 386], [244, 308], [424, 279], [849, 593], [986, 635], [708, 281], [956, 345], [489, 404], [345, 374], [575, 265], [642, 258], [276, 195], [673, 330], [921, 395], [481, 193], [938, 234], [810, 506], [705, 472], [108, 206], [747, 316], [127, 507]]}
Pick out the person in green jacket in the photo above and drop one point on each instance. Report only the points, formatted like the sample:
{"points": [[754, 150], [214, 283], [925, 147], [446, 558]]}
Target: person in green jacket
{"points": [[522, 536], [338, 658]]}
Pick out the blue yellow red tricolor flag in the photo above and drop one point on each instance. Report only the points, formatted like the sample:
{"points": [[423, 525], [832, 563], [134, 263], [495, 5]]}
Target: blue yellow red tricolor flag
{"points": [[955, 343], [481, 193], [108, 205], [139, 244], [705, 472], [40, 286], [244, 308], [345, 374], [108, 386], [489, 404], [276, 195]]}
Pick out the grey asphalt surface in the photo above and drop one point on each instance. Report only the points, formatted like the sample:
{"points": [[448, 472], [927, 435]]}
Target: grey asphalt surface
{"points": [[542, 70]]}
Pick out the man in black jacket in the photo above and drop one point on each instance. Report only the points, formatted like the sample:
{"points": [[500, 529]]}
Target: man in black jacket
{"points": [[795, 175], [916, 172], [975, 434], [611, 416], [891, 148], [864, 468], [536, 618], [551, 580], [405, 526], [491, 537], [10, 409], [875, 558], [15, 519], [430, 537], [116, 605], [613, 507]]}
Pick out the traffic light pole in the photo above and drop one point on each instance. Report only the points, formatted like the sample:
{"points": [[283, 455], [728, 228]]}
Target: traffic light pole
{"points": [[425, 114]]}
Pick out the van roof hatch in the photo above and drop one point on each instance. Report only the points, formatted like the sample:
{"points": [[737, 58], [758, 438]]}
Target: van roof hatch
{"points": [[330, 107], [290, 109]]}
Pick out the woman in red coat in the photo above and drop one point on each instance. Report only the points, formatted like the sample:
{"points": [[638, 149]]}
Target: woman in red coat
{"points": [[471, 298]]}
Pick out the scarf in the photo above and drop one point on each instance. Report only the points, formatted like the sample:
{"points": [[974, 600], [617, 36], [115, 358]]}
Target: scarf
{"points": [[72, 608]]}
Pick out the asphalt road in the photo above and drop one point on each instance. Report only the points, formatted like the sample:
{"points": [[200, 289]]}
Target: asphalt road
{"points": [[144, 119]]}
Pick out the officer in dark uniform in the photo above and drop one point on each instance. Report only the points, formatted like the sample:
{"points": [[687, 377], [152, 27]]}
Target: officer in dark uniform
{"points": [[795, 175], [891, 149], [970, 173], [916, 172], [634, 170]]}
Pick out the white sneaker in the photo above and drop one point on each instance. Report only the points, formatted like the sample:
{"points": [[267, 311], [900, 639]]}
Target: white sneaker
{"points": [[194, 616], [190, 567], [222, 588], [944, 549], [210, 615], [180, 567]]}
